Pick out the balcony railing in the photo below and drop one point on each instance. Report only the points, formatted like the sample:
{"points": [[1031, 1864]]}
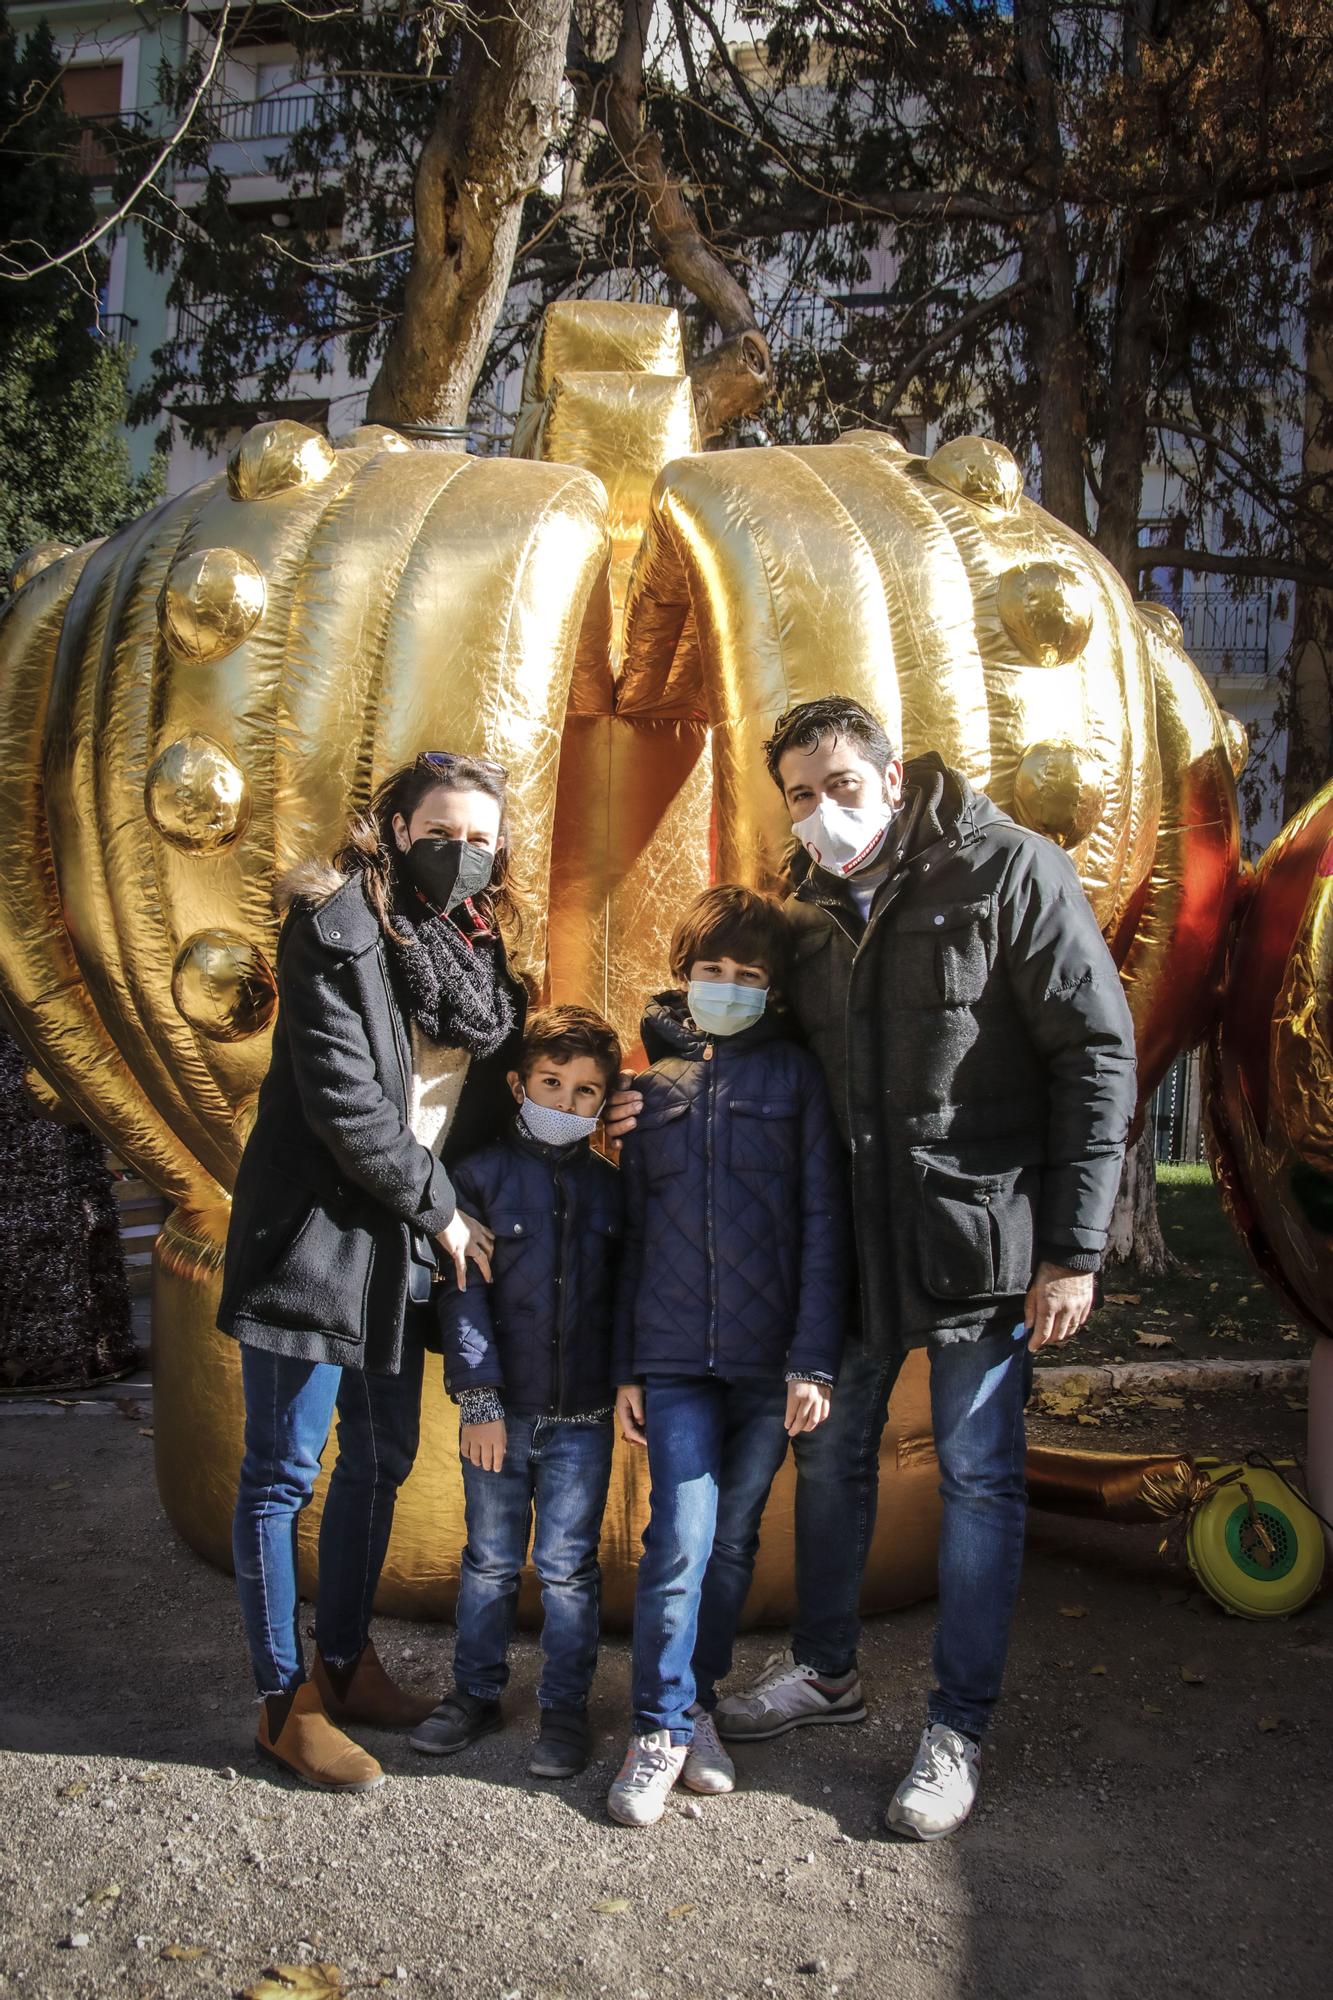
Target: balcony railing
{"points": [[102, 137], [1227, 635], [265, 117]]}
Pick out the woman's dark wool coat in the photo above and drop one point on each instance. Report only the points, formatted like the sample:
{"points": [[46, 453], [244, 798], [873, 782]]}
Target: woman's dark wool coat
{"points": [[332, 1184], [980, 1056]]}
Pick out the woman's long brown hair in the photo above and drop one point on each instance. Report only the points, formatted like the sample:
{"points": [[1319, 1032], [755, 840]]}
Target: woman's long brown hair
{"points": [[371, 850]]}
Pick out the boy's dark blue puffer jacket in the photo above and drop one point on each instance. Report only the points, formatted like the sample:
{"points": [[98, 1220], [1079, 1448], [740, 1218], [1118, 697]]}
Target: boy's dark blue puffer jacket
{"points": [[736, 1240], [540, 1333]]}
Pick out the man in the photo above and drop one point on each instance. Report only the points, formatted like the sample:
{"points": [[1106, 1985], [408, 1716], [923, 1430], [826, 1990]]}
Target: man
{"points": [[952, 980]]}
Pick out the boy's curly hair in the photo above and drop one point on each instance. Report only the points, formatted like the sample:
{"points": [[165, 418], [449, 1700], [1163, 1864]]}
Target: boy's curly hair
{"points": [[730, 921]]}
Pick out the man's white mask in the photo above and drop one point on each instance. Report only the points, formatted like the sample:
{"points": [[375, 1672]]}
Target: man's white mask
{"points": [[845, 839]]}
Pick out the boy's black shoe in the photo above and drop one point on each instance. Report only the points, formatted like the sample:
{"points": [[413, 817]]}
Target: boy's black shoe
{"points": [[459, 1720], [562, 1746]]}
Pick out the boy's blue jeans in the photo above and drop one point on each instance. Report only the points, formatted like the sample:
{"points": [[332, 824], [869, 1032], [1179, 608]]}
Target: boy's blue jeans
{"points": [[713, 1450], [289, 1406], [978, 1389], [557, 1475]]}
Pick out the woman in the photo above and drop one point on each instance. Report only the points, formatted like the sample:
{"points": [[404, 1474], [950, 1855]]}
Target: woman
{"points": [[398, 1019]]}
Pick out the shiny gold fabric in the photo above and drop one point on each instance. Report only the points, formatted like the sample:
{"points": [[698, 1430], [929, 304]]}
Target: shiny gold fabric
{"points": [[1269, 1066], [190, 708]]}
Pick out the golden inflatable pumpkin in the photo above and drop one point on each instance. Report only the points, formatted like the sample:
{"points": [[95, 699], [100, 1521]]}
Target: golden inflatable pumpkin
{"points": [[191, 706], [1268, 1072]]}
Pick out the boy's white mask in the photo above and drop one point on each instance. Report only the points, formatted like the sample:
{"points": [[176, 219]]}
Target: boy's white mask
{"points": [[845, 839], [552, 1127]]}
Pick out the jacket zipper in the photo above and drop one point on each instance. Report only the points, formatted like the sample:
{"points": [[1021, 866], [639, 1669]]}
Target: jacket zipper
{"points": [[562, 1230], [710, 1209]]}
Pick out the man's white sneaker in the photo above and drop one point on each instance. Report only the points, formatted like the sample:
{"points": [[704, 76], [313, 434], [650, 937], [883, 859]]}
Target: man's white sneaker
{"points": [[940, 1790], [651, 1767], [707, 1767], [787, 1696]]}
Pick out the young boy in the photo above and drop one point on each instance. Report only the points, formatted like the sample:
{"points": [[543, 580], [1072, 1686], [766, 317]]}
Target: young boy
{"points": [[729, 1316], [527, 1359]]}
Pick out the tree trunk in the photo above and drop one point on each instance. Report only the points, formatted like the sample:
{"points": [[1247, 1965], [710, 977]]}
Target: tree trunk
{"points": [[483, 156], [64, 1299], [1310, 692], [735, 379], [1136, 1237], [1057, 355]]}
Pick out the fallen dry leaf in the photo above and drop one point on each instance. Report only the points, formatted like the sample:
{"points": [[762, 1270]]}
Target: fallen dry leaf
{"points": [[1073, 1610], [682, 1909], [1088, 1421], [1267, 1724], [1123, 1299], [611, 1906], [1096, 1670], [1165, 1402], [108, 1893], [1154, 1340], [188, 1953], [74, 1791], [1192, 1676], [312, 1982], [1151, 1708]]}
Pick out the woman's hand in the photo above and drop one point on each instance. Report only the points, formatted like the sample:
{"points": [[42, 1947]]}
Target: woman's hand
{"points": [[483, 1445], [629, 1412], [465, 1237], [621, 1113], [807, 1406]]}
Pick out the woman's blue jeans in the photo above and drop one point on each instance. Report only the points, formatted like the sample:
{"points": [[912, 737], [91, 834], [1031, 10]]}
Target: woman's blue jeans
{"points": [[713, 1451], [289, 1406], [552, 1487], [978, 1389]]}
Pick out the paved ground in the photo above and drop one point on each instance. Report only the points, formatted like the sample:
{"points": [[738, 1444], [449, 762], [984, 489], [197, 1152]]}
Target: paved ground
{"points": [[1139, 1835]]}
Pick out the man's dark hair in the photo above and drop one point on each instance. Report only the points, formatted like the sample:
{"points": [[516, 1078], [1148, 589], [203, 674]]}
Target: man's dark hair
{"points": [[558, 1034], [732, 922], [807, 725]]}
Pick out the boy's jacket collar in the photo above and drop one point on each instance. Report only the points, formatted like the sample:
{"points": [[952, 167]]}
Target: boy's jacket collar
{"points": [[668, 1030], [558, 1156]]}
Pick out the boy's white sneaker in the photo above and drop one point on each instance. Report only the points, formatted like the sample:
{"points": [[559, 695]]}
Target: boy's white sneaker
{"points": [[940, 1790], [651, 1767], [787, 1696], [707, 1767]]}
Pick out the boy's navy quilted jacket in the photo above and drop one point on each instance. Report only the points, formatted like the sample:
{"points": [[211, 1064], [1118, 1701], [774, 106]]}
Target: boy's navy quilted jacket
{"points": [[540, 1332], [736, 1250]]}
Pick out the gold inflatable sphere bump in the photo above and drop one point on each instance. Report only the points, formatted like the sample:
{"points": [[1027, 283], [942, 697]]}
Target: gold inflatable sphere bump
{"points": [[223, 986], [980, 470], [1162, 620], [273, 458], [1237, 739], [45, 1098], [1058, 792], [243, 1122], [37, 558], [196, 795], [1048, 610], [372, 434], [210, 603]]}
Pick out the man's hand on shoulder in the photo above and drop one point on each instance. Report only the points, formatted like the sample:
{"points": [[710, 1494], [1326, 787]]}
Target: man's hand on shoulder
{"points": [[1057, 1304], [622, 1110]]}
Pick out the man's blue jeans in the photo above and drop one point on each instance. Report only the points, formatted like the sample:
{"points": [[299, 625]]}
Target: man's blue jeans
{"points": [[978, 1390], [552, 1486], [289, 1406], [713, 1450]]}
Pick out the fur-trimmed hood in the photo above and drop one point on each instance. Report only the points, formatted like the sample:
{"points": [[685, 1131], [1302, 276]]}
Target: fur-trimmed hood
{"points": [[312, 881]]}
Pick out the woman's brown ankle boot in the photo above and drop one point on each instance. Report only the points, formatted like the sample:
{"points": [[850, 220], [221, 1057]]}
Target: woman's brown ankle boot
{"points": [[364, 1693], [308, 1745]]}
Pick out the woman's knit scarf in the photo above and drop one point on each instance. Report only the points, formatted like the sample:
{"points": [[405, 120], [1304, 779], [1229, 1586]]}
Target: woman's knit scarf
{"points": [[455, 985]]}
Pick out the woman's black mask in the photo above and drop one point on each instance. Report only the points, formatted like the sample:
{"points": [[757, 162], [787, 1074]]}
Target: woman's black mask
{"points": [[447, 872]]}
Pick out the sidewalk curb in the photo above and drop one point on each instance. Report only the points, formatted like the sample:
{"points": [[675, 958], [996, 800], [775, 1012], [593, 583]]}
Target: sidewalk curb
{"points": [[1210, 1378]]}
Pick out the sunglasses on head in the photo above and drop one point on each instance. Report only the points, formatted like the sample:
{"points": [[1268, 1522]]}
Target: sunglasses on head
{"points": [[448, 760]]}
